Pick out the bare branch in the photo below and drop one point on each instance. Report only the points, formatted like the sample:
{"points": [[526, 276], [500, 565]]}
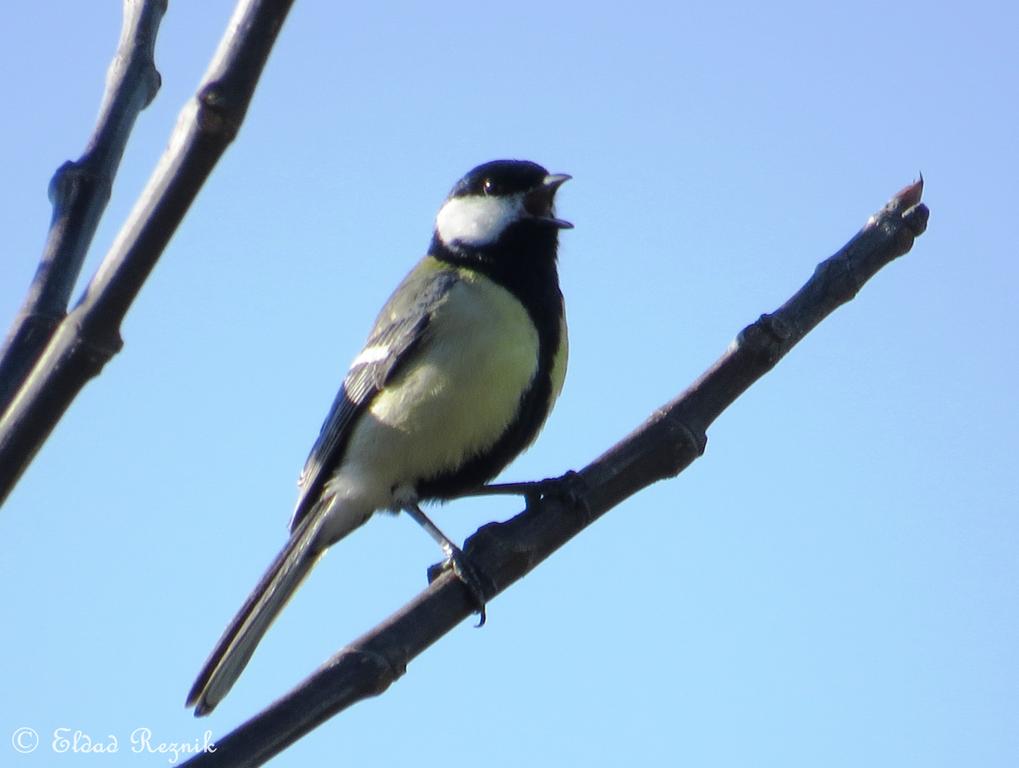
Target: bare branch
{"points": [[669, 441], [79, 192], [90, 335]]}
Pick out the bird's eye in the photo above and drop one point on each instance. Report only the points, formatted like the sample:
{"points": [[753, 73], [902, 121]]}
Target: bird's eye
{"points": [[490, 187]]}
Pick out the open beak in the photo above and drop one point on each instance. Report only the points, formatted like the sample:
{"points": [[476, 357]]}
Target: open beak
{"points": [[538, 202]]}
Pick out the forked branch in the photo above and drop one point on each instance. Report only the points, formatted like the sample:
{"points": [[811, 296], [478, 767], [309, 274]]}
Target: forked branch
{"points": [[90, 334], [79, 192]]}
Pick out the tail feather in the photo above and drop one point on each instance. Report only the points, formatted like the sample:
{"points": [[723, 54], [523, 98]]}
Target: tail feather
{"points": [[235, 647]]}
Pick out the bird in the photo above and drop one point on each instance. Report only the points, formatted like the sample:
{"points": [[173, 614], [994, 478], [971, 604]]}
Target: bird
{"points": [[458, 375]]}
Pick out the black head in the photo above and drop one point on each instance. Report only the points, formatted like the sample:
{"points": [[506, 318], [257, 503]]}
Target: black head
{"points": [[495, 198], [500, 177]]}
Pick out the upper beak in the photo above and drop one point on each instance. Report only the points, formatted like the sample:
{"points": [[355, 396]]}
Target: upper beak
{"points": [[538, 202]]}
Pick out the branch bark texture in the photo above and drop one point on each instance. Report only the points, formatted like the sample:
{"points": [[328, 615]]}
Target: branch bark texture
{"points": [[90, 334], [669, 441], [79, 192]]}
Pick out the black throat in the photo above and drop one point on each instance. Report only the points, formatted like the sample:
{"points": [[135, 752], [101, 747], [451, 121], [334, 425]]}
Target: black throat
{"points": [[523, 261]]}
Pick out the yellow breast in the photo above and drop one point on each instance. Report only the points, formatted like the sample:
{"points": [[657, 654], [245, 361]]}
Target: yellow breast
{"points": [[461, 389]]}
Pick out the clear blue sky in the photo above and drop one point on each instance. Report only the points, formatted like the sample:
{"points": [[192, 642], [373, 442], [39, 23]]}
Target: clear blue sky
{"points": [[834, 583]]}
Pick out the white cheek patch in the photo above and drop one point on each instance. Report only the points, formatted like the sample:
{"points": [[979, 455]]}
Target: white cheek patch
{"points": [[476, 220]]}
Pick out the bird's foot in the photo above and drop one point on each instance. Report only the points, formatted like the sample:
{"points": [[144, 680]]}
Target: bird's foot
{"points": [[469, 576], [461, 565], [571, 489]]}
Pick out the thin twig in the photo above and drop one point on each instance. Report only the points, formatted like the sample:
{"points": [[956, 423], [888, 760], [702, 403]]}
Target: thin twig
{"points": [[669, 441], [90, 335], [79, 192]]}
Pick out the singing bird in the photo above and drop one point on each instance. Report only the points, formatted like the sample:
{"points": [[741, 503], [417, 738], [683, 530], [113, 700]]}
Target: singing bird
{"points": [[458, 375]]}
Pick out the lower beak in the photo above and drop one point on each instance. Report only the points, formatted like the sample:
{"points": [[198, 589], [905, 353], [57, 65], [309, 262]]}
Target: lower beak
{"points": [[538, 202]]}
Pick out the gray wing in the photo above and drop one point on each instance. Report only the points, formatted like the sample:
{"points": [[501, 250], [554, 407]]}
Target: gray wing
{"points": [[398, 330]]}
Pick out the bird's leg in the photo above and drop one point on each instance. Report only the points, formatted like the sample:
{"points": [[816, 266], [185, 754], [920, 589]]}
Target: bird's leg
{"points": [[455, 558], [571, 488]]}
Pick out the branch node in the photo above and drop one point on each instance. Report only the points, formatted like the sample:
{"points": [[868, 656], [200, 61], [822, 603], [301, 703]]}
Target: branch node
{"points": [[385, 670], [97, 349], [767, 338], [915, 218], [216, 114], [780, 329], [684, 439], [69, 179], [153, 82], [491, 540]]}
